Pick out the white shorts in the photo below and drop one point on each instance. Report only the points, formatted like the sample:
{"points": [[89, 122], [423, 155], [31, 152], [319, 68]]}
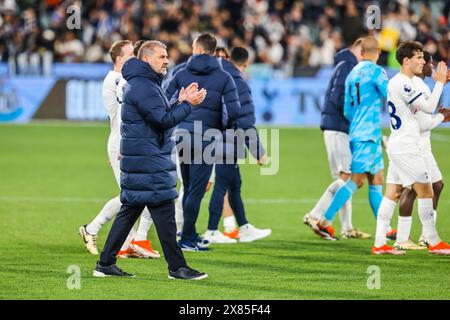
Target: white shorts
{"points": [[433, 168], [407, 169], [338, 151], [115, 164]]}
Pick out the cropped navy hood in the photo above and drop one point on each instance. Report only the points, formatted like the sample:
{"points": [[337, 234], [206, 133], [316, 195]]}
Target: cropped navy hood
{"points": [[202, 64], [137, 68], [345, 55]]}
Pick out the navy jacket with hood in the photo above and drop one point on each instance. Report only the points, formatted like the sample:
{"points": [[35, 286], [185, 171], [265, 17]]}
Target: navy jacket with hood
{"points": [[207, 72], [333, 112], [148, 172], [246, 120]]}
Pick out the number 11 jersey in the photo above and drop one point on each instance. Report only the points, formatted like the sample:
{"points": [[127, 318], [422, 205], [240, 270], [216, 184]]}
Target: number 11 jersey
{"points": [[365, 90]]}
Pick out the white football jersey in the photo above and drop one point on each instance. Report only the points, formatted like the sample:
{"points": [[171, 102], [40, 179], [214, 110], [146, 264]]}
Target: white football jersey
{"points": [[119, 91], [406, 97], [427, 122], [112, 107]]}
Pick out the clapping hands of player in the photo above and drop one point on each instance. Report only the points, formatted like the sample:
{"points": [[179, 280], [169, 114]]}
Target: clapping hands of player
{"points": [[192, 95], [441, 73]]}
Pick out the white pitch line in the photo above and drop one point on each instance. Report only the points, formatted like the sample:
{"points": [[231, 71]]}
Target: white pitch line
{"points": [[59, 124], [267, 201], [440, 137], [51, 199]]}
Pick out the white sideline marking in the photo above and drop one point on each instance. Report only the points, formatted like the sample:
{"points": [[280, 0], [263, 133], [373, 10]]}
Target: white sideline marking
{"points": [[284, 201], [440, 137], [105, 123], [59, 124]]}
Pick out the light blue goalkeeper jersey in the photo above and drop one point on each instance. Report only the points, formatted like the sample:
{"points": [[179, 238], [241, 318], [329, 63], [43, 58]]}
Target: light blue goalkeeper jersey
{"points": [[365, 88]]}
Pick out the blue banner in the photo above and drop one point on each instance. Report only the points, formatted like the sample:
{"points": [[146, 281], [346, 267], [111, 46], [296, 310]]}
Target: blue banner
{"points": [[20, 97], [278, 102], [298, 102]]}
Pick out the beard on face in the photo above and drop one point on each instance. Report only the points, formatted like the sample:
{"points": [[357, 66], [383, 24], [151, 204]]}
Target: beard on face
{"points": [[163, 70]]}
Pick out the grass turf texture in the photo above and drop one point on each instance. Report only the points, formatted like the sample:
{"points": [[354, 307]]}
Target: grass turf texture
{"points": [[55, 177]]}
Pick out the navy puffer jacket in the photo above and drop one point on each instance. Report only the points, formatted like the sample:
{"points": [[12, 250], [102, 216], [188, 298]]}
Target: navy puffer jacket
{"points": [[148, 172], [333, 112], [207, 72], [246, 120]]}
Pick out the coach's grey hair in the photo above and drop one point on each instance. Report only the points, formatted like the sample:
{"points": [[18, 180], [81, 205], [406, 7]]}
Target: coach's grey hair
{"points": [[148, 48]]}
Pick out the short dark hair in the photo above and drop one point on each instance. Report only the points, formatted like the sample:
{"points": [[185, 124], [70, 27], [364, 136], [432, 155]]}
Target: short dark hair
{"points": [[427, 56], [136, 46], [407, 50], [208, 42], [239, 55]]}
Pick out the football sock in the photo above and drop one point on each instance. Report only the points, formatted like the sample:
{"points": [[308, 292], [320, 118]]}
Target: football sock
{"points": [[144, 225], [346, 216], [179, 219], [385, 214], [375, 198], [229, 222], [340, 198], [109, 211], [128, 240], [325, 199], [403, 229], [435, 219], [427, 218]]}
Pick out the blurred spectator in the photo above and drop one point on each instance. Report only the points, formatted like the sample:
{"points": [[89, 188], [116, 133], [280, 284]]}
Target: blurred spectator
{"points": [[286, 34], [69, 48], [352, 24]]}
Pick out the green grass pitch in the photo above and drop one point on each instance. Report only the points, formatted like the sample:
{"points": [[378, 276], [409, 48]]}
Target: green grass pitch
{"points": [[55, 177]]}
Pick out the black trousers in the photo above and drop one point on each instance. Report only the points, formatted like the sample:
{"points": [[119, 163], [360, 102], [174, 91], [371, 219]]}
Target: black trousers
{"points": [[163, 216], [195, 180], [228, 178]]}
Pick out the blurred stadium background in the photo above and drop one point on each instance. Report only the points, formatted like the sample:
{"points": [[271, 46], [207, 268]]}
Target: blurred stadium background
{"points": [[54, 174], [48, 71]]}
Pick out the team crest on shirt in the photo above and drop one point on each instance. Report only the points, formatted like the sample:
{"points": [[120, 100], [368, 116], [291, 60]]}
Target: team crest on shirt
{"points": [[409, 91]]}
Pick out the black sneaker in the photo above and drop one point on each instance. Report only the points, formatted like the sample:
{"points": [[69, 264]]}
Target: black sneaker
{"points": [[187, 273], [110, 271]]}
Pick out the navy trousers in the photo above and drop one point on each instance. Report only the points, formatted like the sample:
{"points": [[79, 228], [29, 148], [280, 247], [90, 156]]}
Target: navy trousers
{"points": [[163, 216], [228, 178], [195, 180]]}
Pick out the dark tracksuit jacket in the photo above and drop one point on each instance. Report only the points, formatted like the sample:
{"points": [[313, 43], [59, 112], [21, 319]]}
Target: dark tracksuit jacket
{"points": [[221, 96]]}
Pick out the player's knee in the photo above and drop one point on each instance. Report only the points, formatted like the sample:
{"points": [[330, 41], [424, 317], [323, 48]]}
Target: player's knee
{"points": [[427, 194], [438, 187], [359, 183], [344, 176], [410, 194], [396, 196]]}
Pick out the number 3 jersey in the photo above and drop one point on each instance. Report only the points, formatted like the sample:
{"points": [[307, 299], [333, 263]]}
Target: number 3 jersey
{"points": [[406, 97]]}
